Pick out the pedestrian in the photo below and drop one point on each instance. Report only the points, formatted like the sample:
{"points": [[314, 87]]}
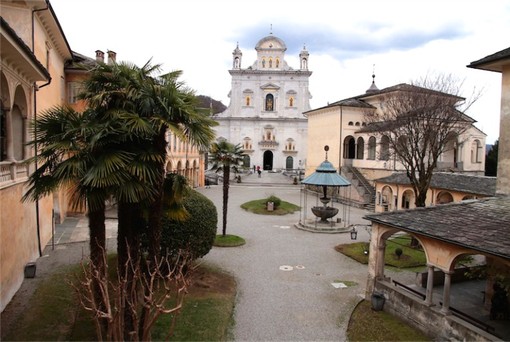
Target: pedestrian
{"points": [[258, 171]]}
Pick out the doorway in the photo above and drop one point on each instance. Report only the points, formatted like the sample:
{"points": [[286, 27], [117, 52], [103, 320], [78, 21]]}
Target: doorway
{"points": [[268, 160]]}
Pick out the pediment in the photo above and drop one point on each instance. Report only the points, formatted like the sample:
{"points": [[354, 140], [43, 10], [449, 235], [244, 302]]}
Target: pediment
{"points": [[269, 86]]}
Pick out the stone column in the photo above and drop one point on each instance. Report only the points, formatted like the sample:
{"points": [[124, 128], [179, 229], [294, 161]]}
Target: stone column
{"points": [[430, 285], [379, 269], [9, 133], [503, 179], [446, 293]]}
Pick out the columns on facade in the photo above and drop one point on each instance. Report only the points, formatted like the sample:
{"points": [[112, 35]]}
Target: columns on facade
{"points": [[446, 292], [379, 267], [430, 285]]}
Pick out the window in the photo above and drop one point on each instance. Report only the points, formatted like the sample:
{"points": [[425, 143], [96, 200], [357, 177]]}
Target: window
{"points": [[277, 63], [73, 90], [476, 151], [269, 102], [360, 148], [371, 148], [385, 148], [350, 123]]}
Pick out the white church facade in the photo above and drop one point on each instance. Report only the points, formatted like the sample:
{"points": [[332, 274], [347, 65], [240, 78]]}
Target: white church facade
{"points": [[267, 101]]}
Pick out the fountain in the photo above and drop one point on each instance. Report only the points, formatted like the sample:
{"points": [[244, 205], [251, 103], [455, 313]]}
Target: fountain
{"points": [[325, 176]]}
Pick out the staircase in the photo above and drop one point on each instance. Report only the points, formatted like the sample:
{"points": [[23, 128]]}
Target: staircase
{"points": [[365, 190]]}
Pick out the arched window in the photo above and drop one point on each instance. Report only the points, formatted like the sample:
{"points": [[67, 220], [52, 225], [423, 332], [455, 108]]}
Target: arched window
{"points": [[371, 148], [385, 148], [360, 148], [444, 197], [407, 199], [18, 130], [476, 151], [349, 147], [350, 123], [269, 102], [357, 123]]}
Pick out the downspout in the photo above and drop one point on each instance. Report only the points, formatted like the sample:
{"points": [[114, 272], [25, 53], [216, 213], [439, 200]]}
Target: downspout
{"points": [[36, 88], [340, 142]]}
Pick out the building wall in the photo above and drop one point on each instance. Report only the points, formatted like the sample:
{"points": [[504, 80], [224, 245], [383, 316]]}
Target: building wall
{"points": [[247, 120], [503, 182], [22, 222]]}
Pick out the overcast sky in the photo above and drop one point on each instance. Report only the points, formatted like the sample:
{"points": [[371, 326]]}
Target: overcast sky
{"points": [[402, 41]]}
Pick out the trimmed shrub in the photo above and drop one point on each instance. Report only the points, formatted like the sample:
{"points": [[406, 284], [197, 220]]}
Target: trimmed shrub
{"points": [[398, 252], [277, 201], [197, 232]]}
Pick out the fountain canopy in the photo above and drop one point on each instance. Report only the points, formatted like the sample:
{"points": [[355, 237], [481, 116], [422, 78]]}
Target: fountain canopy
{"points": [[326, 175]]}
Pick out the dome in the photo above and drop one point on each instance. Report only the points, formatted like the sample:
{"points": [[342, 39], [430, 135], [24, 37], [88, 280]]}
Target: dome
{"points": [[271, 42]]}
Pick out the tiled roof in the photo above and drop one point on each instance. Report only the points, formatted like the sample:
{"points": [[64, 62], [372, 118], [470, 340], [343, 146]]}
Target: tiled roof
{"points": [[482, 225], [492, 62], [479, 185]]}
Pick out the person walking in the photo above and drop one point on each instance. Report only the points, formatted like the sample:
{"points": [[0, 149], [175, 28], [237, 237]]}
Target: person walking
{"points": [[258, 171]]}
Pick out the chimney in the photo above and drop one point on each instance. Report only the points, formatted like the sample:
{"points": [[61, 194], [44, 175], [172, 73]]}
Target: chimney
{"points": [[99, 56], [112, 56]]}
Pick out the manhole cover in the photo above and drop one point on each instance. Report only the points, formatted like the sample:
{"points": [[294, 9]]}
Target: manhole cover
{"points": [[286, 268], [300, 267]]}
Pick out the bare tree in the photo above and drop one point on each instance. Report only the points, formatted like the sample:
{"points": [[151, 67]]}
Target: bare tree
{"points": [[166, 287], [418, 123]]}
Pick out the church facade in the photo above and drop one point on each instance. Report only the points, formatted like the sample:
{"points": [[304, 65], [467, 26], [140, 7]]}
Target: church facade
{"points": [[267, 101]]}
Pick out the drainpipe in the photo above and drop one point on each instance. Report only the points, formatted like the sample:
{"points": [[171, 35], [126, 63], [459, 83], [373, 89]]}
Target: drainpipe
{"points": [[340, 142], [36, 88]]}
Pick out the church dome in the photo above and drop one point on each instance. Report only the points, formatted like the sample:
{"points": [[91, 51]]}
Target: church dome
{"points": [[271, 42]]}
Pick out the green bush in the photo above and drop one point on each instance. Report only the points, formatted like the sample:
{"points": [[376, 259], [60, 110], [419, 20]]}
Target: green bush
{"points": [[197, 233], [277, 201]]}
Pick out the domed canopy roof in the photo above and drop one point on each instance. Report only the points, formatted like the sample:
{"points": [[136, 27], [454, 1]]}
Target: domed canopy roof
{"points": [[326, 175], [271, 42]]}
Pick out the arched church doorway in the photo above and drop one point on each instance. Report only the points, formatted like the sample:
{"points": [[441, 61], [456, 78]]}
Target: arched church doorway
{"points": [[268, 160], [289, 164]]}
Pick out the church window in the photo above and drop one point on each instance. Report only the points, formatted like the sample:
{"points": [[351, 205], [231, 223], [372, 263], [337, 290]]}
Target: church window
{"points": [[269, 102], [303, 63], [236, 62], [371, 148]]}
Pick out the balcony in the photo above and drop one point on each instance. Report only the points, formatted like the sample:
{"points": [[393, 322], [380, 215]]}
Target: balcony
{"points": [[268, 144]]}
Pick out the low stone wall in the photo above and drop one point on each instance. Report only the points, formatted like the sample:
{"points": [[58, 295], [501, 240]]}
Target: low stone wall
{"points": [[428, 319]]}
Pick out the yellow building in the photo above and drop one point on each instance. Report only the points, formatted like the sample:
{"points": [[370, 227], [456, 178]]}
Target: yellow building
{"points": [[186, 160], [33, 52], [395, 192]]}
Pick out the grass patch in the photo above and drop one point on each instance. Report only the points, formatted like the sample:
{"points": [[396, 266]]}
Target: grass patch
{"points": [[54, 313], [50, 315], [411, 257], [259, 207], [369, 325], [228, 241]]}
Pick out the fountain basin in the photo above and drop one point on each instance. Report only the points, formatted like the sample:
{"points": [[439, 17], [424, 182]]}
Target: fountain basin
{"points": [[324, 212]]}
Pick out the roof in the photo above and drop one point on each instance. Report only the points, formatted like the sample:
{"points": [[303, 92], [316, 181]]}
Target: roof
{"points": [[41, 70], [482, 225], [326, 175], [360, 100], [479, 185], [494, 62], [79, 62]]}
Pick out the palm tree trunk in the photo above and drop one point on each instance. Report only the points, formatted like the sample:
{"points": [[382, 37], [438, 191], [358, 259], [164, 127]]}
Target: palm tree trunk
{"points": [[128, 248], [226, 183], [156, 207], [97, 245]]}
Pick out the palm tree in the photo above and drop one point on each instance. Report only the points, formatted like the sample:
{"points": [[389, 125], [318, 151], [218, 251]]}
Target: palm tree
{"points": [[148, 106], [225, 156]]}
